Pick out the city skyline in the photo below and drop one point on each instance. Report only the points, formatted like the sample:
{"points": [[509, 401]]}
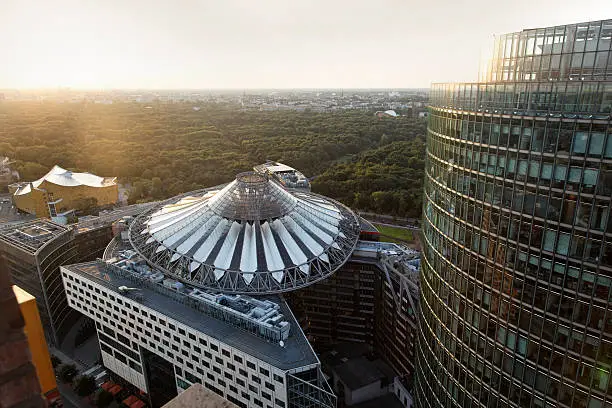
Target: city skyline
{"points": [[196, 45]]}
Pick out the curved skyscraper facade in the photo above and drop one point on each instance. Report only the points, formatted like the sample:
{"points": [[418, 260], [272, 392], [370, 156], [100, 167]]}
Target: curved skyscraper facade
{"points": [[517, 267]]}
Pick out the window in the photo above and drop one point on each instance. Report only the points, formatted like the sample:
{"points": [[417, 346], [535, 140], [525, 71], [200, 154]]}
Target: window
{"points": [[217, 370], [120, 357], [225, 352], [238, 359], [181, 331], [243, 372], [185, 343], [266, 395], [207, 355], [106, 349], [219, 360], [221, 382], [228, 376], [192, 337], [251, 365], [210, 376], [197, 349], [256, 379], [279, 403], [253, 389], [258, 402], [203, 342], [278, 378], [231, 366], [269, 386], [178, 371], [180, 360], [245, 395], [239, 382], [213, 347], [264, 371], [171, 326]]}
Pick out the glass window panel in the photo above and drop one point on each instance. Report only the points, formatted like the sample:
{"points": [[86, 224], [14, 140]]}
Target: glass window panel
{"points": [[597, 144], [608, 152], [563, 243], [580, 142], [574, 176], [560, 173], [547, 171], [590, 177], [534, 169], [549, 240]]}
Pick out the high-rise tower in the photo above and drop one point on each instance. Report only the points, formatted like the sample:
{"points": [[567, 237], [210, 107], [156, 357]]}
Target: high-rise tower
{"points": [[517, 267]]}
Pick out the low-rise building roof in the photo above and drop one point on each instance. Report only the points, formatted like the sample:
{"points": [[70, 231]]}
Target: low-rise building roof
{"points": [[197, 396]]}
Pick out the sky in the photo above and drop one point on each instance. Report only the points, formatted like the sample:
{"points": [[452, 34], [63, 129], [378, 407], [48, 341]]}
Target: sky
{"points": [[221, 44]]}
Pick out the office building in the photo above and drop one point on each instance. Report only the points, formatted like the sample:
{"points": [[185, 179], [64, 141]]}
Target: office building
{"points": [[33, 252], [37, 344], [517, 266], [201, 293], [61, 190]]}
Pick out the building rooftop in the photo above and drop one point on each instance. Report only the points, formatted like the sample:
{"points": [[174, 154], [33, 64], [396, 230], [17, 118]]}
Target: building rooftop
{"points": [[358, 372], [286, 175], [295, 352], [33, 235], [66, 178], [197, 396], [252, 236], [21, 295], [386, 401]]}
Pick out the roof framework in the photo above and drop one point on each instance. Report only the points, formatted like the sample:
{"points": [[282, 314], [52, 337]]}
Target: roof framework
{"points": [[250, 237]]}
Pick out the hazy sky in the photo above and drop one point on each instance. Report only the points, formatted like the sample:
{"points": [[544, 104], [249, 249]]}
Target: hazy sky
{"points": [[261, 43]]}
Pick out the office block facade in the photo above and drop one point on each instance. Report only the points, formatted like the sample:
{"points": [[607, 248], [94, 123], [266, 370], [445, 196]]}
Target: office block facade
{"points": [[517, 267]]}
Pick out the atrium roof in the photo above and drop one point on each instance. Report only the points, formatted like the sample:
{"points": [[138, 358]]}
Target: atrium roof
{"points": [[252, 236]]}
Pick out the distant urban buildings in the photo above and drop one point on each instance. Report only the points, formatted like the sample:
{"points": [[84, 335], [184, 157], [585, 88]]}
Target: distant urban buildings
{"points": [[325, 100], [516, 275], [62, 190], [202, 289]]}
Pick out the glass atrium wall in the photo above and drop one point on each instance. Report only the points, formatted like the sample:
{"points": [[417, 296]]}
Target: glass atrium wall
{"points": [[517, 267]]}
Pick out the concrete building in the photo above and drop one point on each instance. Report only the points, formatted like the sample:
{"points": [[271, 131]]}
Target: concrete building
{"points": [[37, 344], [198, 293], [61, 190]]}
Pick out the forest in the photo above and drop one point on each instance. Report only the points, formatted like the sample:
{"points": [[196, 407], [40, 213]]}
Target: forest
{"points": [[164, 149]]}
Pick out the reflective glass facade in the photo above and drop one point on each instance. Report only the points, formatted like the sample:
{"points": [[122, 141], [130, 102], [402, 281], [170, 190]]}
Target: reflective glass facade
{"points": [[517, 267]]}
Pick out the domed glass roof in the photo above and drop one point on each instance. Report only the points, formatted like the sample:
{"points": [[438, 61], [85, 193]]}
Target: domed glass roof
{"points": [[252, 236]]}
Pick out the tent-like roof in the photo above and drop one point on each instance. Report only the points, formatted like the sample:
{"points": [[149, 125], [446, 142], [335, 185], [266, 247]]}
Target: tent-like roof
{"points": [[253, 236], [66, 178]]}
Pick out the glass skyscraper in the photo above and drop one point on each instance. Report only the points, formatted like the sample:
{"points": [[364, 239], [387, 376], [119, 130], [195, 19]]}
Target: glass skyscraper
{"points": [[517, 267]]}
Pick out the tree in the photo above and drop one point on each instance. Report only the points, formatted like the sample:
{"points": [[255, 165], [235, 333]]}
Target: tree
{"points": [[84, 385], [103, 398], [66, 372]]}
